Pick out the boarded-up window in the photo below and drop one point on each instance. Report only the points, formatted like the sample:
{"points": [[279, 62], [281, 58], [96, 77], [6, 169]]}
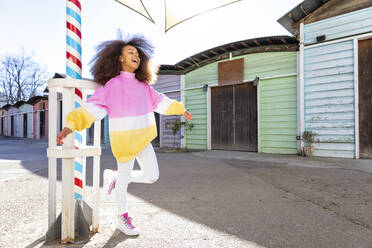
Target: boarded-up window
{"points": [[365, 98], [230, 72]]}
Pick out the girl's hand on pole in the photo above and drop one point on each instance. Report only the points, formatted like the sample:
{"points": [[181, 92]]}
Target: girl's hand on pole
{"points": [[187, 115], [64, 132]]}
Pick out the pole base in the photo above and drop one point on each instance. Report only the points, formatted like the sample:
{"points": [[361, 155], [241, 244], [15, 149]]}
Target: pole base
{"points": [[83, 219]]}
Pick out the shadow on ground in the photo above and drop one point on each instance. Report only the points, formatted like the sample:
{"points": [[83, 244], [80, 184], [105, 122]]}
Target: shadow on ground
{"points": [[268, 203]]}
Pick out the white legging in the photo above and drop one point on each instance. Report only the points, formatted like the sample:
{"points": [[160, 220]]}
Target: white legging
{"points": [[149, 173]]}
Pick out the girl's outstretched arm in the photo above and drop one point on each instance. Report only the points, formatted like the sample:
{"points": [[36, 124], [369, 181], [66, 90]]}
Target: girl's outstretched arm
{"points": [[83, 117], [166, 106], [64, 132]]}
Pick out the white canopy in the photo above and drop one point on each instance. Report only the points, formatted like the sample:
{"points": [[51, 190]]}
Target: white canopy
{"points": [[177, 11]]}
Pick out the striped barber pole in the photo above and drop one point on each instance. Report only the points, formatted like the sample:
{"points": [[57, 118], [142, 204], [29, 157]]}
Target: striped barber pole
{"points": [[74, 70]]}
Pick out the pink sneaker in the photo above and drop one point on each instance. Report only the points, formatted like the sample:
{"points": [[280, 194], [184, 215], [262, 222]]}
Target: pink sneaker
{"points": [[125, 225], [109, 181]]}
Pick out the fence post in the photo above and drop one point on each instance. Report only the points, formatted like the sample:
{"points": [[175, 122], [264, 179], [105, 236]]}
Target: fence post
{"points": [[68, 175], [52, 162], [96, 175], [72, 219]]}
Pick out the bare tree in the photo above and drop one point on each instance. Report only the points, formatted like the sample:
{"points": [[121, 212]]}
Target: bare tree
{"points": [[20, 77]]}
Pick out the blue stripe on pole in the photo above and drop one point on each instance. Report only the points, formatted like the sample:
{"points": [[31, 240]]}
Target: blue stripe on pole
{"points": [[77, 105], [78, 196], [78, 167], [74, 44], [73, 14], [71, 73], [78, 137]]}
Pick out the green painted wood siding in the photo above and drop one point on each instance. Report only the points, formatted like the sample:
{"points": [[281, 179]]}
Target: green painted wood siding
{"points": [[268, 64], [278, 115], [206, 74], [196, 103], [257, 64]]}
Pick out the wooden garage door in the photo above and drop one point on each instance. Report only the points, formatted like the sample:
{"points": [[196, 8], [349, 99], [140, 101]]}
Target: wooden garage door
{"points": [[365, 98], [2, 131], [42, 125], [25, 125], [12, 125], [234, 117]]}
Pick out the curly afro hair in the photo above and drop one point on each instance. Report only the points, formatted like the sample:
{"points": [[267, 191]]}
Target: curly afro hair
{"points": [[106, 64]]}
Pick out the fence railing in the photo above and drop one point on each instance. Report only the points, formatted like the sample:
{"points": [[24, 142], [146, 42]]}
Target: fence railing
{"points": [[68, 153]]}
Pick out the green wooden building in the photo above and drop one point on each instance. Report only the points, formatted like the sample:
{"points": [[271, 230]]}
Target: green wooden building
{"points": [[243, 96]]}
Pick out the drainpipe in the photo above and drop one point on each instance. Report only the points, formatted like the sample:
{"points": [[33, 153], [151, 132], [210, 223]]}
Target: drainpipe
{"points": [[301, 95]]}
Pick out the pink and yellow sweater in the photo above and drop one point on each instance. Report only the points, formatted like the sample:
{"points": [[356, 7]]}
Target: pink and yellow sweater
{"points": [[130, 105]]}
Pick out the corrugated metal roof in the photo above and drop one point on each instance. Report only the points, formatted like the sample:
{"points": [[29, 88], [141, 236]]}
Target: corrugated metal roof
{"points": [[269, 43], [18, 104], [31, 101], [35, 99], [299, 12], [7, 106]]}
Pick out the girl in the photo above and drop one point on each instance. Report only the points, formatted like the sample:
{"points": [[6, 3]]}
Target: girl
{"points": [[123, 68]]}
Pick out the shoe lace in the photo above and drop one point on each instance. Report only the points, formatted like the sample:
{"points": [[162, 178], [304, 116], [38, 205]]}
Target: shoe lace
{"points": [[112, 186], [127, 221]]}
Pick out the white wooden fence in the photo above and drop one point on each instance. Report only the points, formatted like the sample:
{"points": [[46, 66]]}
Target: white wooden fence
{"points": [[68, 153]]}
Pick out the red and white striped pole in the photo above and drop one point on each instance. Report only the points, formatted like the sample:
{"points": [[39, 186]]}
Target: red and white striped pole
{"points": [[74, 70]]}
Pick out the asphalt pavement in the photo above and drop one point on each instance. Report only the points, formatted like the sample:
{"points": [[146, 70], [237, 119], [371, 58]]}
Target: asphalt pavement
{"points": [[202, 199]]}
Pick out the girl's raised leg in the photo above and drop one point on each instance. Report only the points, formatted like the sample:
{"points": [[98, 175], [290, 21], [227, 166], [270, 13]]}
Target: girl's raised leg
{"points": [[149, 172]]}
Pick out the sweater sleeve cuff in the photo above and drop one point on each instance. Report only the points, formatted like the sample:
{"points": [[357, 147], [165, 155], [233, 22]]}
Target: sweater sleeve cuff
{"points": [[176, 108]]}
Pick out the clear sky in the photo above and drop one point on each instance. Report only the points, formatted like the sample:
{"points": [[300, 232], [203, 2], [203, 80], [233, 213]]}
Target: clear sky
{"points": [[39, 26]]}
